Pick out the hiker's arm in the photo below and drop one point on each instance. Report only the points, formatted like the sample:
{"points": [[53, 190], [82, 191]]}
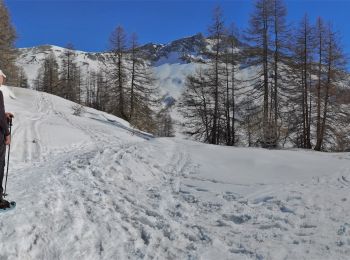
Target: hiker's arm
{"points": [[9, 115], [3, 118]]}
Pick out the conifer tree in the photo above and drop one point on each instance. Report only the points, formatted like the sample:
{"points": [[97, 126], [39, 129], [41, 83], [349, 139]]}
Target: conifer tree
{"points": [[216, 70], [232, 56], [22, 79], [333, 114], [320, 43], [7, 49], [70, 76], [118, 72], [280, 47], [258, 35], [142, 91], [303, 55], [48, 76]]}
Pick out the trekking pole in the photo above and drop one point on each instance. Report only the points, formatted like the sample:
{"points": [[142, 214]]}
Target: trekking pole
{"points": [[8, 158]]}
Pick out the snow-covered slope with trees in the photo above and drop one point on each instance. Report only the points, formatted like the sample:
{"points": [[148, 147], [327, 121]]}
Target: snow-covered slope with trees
{"points": [[174, 62], [91, 187]]}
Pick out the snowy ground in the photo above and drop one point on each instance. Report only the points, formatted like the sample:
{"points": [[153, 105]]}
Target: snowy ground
{"points": [[90, 187]]}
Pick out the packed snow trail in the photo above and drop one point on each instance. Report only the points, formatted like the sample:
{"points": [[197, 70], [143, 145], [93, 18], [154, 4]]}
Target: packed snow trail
{"points": [[91, 187]]}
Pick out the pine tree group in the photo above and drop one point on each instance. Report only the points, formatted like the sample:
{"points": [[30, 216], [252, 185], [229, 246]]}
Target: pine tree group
{"points": [[273, 86]]}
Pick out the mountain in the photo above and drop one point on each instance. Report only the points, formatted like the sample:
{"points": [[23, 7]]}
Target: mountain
{"points": [[172, 62], [92, 187], [178, 51]]}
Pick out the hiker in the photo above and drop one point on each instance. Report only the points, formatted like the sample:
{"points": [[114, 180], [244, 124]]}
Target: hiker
{"points": [[5, 139]]}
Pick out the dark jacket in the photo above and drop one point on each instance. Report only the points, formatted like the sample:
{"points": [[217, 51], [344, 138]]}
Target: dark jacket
{"points": [[3, 120]]}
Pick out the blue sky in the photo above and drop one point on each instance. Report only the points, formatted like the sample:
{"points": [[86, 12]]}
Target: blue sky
{"points": [[88, 23]]}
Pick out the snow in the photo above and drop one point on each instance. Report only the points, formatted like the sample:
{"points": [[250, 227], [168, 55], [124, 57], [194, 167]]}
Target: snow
{"points": [[171, 58], [171, 77], [91, 187]]}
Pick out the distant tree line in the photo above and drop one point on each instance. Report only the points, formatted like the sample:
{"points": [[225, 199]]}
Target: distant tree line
{"points": [[270, 85]]}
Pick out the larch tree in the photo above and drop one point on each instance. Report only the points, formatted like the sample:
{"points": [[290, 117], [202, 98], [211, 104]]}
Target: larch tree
{"points": [[258, 55], [231, 59], [320, 43], [304, 58], [196, 106], [333, 114], [70, 75], [142, 91], [205, 101], [216, 70], [280, 47], [48, 76], [22, 79], [7, 49], [97, 94], [118, 72]]}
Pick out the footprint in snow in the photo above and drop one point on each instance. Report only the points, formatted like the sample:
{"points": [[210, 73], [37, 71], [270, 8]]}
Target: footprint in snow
{"points": [[238, 219]]}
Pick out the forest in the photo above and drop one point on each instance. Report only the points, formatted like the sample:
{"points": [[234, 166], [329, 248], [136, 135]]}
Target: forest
{"points": [[271, 85]]}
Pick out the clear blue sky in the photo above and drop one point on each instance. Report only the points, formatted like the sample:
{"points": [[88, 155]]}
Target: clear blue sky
{"points": [[88, 23]]}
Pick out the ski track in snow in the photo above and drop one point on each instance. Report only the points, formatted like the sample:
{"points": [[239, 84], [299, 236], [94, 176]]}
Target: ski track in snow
{"points": [[112, 197]]}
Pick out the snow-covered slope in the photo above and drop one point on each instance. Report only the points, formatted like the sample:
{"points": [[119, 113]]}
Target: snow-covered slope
{"points": [[30, 59], [90, 187]]}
